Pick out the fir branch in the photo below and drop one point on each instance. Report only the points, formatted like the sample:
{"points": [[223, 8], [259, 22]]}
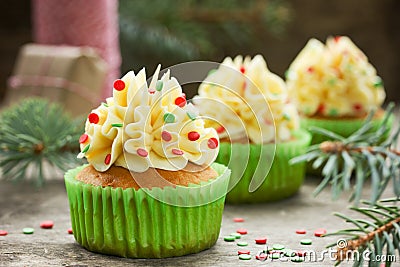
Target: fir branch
{"points": [[374, 236], [34, 133], [367, 154]]}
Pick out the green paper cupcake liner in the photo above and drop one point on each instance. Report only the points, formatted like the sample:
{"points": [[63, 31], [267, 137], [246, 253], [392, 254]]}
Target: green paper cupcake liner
{"points": [[131, 223], [344, 127], [280, 180]]}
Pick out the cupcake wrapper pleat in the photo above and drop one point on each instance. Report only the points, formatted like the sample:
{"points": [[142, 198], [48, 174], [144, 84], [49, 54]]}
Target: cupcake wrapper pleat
{"points": [[250, 161], [131, 223]]}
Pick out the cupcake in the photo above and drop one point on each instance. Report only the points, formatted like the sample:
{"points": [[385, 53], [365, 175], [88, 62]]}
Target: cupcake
{"points": [[334, 87], [151, 188], [258, 128]]}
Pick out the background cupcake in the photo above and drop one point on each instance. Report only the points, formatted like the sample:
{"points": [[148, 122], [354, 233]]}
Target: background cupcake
{"points": [[150, 189], [334, 86], [252, 113]]}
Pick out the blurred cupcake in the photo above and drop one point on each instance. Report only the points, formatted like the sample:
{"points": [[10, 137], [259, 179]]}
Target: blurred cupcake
{"points": [[334, 87], [258, 128], [151, 189]]}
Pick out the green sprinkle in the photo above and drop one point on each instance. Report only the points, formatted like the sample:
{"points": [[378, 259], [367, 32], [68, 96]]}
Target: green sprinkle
{"points": [[86, 148], [191, 116], [287, 72], [28, 230], [105, 104], [242, 244], [116, 124], [286, 117], [333, 112], [332, 81], [169, 117], [378, 83], [306, 241], [245, 257], [236, 235], [159, 85], [278, 246], [297, 259], [229, 238]]}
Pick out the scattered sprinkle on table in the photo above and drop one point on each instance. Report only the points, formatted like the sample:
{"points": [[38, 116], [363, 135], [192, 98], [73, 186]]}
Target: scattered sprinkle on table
{"points": [[242, 244], [278, 246], [70, 231], [28, 231], [229, 238], [243, 252], [241, 231], [47, 224], [3, 233], [238, 219], [301, 231], [236, 235], [245, 257], [319, 232], [306, 241], [261, 240]]}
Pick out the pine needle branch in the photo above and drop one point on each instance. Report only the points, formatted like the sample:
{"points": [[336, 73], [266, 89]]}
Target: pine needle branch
{"points": [[367, 155], [371, 236], [35, 134]]}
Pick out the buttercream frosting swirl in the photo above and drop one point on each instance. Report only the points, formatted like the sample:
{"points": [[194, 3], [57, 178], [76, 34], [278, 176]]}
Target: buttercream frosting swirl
{"points": [[334, 80], [253, 101], [143, 126]]}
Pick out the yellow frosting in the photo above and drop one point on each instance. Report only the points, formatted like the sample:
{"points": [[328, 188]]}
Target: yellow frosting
{"points": [[143, 126], [246, 99], [334, 80]]}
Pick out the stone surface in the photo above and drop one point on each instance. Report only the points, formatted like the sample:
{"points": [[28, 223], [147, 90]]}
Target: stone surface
{"points": [[23, 205]]}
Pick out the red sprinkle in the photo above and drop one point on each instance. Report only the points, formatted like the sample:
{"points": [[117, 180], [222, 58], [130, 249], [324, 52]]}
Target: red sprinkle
{"points": [[319, 232], [310, 69], [3, 233], [220, 129], [337, 38], [180, 101], [261, 257], [261, 241], [119, 85], [321, 108], [238, 219], [152, 91], [83, 138], [241, 231], [107, 160], [212, 143], [166, 136], [243, 252], [177, 152], [142, 152], [93, 118], [70, 231], [357, 107], [193, 136], [301, 231], [242, 69], [47, 224]]}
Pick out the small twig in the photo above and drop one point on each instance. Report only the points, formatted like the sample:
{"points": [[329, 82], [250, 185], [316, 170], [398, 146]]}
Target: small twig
{"points": [[352, 245], [338, 147]]}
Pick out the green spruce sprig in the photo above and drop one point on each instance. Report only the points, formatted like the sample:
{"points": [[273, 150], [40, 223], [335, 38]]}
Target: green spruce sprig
{"points": [[366, 155], [34, 133], [376, 236]]}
